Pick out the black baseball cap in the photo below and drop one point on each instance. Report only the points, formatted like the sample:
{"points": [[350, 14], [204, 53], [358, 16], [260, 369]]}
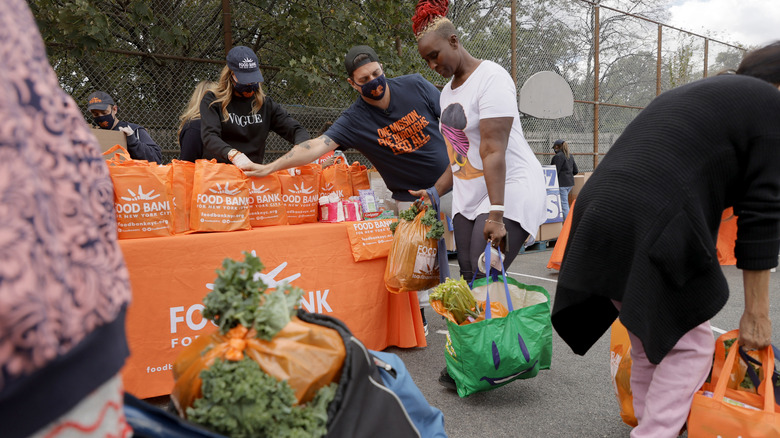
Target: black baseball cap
{"points": [[558, 142], [349, 60], [99, 100], [242, 61]]}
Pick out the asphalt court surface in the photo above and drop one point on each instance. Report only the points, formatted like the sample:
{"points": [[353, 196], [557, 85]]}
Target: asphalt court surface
{"points": [[574, 398]]}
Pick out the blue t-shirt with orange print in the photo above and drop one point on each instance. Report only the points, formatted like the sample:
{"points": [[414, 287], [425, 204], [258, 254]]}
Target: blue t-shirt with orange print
{"points": [[403, 142]]}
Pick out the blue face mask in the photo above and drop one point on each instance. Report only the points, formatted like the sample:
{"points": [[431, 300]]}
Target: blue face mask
{"points": [[105, 122], [375, 89]]}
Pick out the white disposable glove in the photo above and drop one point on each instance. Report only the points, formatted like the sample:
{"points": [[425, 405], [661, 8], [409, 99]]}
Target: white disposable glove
{"points": [[127, 130], [242, 161]]}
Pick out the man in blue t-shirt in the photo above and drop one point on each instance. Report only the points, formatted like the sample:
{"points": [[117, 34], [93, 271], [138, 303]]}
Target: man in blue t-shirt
{"points": [[394, 123]]}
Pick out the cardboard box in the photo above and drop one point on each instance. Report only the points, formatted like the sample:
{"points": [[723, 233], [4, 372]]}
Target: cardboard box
{"points": [[549, 231], [108, 138], [579, 181], [449, 239]]}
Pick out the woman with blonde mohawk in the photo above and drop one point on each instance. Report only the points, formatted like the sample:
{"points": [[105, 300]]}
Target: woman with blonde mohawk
{"points": [[497, 182]]}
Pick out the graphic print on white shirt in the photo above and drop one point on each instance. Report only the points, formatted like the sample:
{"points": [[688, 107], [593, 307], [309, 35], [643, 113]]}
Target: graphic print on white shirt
{"points": [[452, 123]]}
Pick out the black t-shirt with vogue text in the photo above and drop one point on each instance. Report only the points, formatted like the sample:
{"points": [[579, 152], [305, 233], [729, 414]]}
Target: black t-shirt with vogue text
{"points": [[243, 130]]}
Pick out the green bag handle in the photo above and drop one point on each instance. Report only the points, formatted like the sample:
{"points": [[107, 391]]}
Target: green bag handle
{"points": [[510, 306]]}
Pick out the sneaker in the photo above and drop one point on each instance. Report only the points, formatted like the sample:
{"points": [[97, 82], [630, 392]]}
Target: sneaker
{"points": [[425, 321], [446, 380]]}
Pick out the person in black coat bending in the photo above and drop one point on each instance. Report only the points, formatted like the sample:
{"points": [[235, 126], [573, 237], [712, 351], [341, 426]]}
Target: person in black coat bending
{"points": [[642, 245]]}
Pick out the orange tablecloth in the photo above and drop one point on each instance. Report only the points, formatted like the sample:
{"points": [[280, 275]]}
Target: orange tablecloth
{"points": [[727, 235], [171, 275]]}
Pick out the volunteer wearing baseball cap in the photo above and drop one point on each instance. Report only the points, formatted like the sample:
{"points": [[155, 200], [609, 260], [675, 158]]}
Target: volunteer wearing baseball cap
{"points": [[139, 143], [394, 123], [236, 117]]}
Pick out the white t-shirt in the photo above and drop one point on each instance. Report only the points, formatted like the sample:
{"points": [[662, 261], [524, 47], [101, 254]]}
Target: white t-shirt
{"points": [[490, 93]]}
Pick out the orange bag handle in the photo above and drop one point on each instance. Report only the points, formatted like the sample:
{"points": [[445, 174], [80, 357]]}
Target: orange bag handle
{"points": [[118, 155], [768, 356]]}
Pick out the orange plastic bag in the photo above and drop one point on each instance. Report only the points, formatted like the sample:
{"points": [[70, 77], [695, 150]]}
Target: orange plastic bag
{"points": [[308, 356], [620, 369], [220, 198], [336, 179], [142, 199], [265, 202], [359, 176], [301, 192], [498, 311], [182, 174], [412, 263], [731, 413]]}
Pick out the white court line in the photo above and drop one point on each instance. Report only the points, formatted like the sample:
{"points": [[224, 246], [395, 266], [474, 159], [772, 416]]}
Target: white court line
{"points": [[715, 329]]}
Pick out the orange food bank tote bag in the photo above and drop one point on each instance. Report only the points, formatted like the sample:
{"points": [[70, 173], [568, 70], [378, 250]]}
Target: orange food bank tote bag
{"points": [[301, 192], [142, 199], [724, 412], [265, 202], [220, 198]]}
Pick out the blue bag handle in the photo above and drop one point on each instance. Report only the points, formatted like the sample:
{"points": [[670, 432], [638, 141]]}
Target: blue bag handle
{"points": [[510, 306], [754, 377], [444, 266]]}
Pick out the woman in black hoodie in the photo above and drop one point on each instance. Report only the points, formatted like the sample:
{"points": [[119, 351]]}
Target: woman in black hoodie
{"points": [[237, 116]]}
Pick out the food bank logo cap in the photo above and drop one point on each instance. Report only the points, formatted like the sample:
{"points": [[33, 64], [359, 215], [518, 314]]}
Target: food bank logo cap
{"points": [[226, 190], [140, 196], [302, 190], [243, 62]]}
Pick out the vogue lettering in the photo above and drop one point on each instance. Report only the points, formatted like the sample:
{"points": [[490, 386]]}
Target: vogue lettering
{"points": [[405, 135], [242, 121]]}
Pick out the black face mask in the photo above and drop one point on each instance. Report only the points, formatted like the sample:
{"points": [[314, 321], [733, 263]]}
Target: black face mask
{"points": [[246, 90], [105, 122]]}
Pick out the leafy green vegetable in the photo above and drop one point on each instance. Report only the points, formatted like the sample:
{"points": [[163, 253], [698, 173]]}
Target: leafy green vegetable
{"points": [[429, 219], [240, 400], [456, 297], [239, 297]]}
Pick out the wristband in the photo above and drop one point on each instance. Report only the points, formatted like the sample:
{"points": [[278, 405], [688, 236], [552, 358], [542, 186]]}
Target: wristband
{"points": [[495, 207]]}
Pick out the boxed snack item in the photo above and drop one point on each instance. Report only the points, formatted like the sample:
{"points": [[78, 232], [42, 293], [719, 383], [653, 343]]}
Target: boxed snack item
{"points": [[351, 210], [331, 208], [368, 201]]}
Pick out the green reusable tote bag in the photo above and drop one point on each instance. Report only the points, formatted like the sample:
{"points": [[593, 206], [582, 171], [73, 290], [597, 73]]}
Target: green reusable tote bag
{"points": [[491, 353]]}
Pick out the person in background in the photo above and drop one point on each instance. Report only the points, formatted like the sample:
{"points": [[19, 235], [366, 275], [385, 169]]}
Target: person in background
{"points": [[64, 286], [190, 142], [567, 168], [394, 123], [498, 188], [642, 245], [237, 116], [139, 143]]}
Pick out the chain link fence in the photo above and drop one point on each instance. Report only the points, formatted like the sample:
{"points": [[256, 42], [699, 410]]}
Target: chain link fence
{"points": [[632, 57]]}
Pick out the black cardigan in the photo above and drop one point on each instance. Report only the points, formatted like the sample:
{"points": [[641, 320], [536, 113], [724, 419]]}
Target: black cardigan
{"points": [[644, 229]]}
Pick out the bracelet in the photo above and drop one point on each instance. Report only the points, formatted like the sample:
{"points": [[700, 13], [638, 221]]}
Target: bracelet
{"points": [[495, 207], [495, 222], [232, 153]]}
